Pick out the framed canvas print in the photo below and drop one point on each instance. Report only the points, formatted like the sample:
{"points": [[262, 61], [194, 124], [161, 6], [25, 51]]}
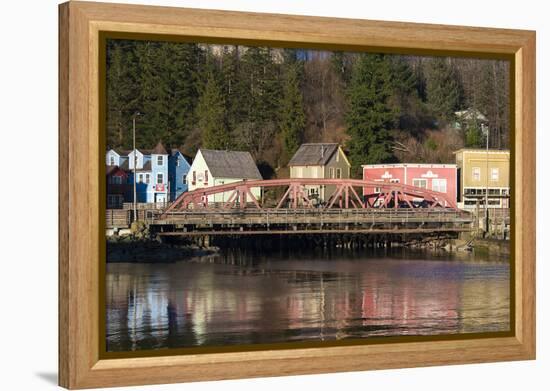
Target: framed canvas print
{"points": [[247, 195]]}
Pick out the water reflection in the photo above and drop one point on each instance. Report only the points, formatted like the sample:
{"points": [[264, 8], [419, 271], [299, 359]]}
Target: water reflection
{"points": [[243, 298]]}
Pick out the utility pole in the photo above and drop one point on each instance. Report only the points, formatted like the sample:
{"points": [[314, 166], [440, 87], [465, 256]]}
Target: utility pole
{"points": [[485, 129], [136, 114]]}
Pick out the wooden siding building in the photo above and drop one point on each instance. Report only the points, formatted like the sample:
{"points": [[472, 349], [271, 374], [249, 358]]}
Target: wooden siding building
{"points": [[214, 167], [436, 177], [482, 171], [319, 160]]}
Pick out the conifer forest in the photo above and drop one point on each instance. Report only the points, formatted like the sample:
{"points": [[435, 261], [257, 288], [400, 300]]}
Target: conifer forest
{"points": [[379, 107]]}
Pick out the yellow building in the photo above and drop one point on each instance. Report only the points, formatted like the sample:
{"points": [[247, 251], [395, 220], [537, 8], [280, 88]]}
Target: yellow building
{"points": [[481, 171], [320, 160]]}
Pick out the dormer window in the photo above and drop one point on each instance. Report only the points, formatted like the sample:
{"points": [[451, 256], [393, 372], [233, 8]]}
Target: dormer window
{"points": [[160, 160]]}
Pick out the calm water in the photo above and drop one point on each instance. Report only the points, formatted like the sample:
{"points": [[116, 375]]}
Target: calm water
{"points": [[243, 298]]}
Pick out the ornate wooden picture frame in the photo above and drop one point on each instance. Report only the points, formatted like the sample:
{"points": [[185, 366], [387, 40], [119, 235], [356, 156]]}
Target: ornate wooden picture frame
{"points": [[82, 30]]}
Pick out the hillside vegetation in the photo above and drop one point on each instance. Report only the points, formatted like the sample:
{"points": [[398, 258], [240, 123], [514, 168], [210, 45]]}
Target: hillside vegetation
{"points": [[381, 108]]}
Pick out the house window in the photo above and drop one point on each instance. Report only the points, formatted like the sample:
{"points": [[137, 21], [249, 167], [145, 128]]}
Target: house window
{"points": [[439, 185], [206, 177], [338, 173], [117, 180], [420, 182], [160, 178], [112, 160], [494, 174], [331, 172], [378, 190], [114, 200], [147, 178], [140, 178], [160, 160], [194, 178], [394, 180], [177, 162], [476, 173], [184, 179]]}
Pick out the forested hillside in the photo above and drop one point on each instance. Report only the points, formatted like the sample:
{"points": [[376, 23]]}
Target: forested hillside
{"points": [[382, 108]]}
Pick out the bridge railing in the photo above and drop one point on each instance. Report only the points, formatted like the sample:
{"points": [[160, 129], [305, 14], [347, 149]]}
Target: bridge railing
{"points": [[317, 216]]}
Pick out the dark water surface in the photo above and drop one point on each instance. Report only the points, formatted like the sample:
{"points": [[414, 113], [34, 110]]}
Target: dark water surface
{"points": [[243, 298]]}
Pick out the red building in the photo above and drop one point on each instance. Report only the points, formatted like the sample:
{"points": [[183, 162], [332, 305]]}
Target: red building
{"points": [[437, 177], [117, 187]]}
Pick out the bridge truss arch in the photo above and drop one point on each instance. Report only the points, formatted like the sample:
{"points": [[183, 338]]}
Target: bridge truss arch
{"points": [[292, 193]]}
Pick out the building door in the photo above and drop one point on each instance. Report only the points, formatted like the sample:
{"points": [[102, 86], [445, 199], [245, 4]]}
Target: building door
{"points": [[160, 198]]}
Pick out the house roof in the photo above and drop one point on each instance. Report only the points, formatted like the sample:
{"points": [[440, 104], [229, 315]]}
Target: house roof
{"points": [[175, 151], [126, 166], [313, 154], [110, 169], [114, 170], [471, 114], [231, 164], [122, 152], [146, 167], [159, 149], [490, 150]]}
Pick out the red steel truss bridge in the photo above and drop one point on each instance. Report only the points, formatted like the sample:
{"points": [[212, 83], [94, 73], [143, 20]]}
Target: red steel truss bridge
{"points": [[287, 206]]}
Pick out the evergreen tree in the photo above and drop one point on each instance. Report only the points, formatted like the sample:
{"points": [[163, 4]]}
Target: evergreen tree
{"points": [[122, 92], [493, 100], [369, 116], [292, 124], [402, 76], [261, 94], [211, 116], [234, 87], [443, 88], [473, 137]]}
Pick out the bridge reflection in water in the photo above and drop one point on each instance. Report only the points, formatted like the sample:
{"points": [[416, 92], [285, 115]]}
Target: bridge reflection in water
{"points": [[247, 298]]}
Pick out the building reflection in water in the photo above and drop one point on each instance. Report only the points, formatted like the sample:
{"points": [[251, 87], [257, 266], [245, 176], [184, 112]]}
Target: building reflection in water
{"points": [[241, 298]]}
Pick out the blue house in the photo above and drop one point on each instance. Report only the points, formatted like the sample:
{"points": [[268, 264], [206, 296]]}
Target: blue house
{"points": [[151, 172], [178, 168], [158, 190]]}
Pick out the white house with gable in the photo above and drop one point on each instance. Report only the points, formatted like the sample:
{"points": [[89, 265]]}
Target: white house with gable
{"points": [[212, 168]]}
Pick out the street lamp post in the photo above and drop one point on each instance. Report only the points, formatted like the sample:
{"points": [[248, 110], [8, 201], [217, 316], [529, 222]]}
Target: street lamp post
{"points": [[485, 130], [136, 114]]}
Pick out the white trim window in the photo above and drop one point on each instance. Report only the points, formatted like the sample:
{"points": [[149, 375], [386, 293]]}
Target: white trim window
{"points": [[112, 160], [378, 190], [139, 178], [439, 185], [494, 174], [338, 173], [160, 178], [160, 160], [117, 180], [331, 172], [476, 173], [147, 178], [420, 182], [184, 179]]}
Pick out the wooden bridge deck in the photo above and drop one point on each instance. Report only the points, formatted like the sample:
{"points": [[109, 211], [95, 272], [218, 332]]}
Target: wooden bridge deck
{"points": [[296, 221]]}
